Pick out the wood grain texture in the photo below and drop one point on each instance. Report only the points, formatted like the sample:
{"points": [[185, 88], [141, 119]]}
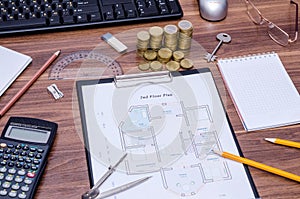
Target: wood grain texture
{"points": [[66, 174]]}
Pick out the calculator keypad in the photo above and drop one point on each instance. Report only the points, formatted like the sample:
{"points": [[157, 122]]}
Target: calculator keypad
{"points": [[19, 166]]}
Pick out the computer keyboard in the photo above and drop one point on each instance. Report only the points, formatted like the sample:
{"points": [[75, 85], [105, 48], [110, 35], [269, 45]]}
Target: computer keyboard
{"points": [[17, 16]]}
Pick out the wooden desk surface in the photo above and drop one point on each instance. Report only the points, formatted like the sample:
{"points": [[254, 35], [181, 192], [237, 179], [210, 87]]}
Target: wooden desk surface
{"points": [[66, 175]]}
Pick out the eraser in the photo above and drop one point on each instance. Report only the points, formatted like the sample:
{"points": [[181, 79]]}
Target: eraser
{"points": [[114, 42]]}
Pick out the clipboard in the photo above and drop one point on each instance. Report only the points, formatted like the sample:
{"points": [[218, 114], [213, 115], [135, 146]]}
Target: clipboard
{"points": [[168, 123]]}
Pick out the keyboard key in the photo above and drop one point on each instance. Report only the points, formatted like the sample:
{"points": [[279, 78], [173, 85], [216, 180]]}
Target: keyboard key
{"points": [[93, 17], [87, 9], [67, 20], [110, 2], [108, 13], [53, 21], [151, 11], [129, 10], [120, 14], [173, 7]]}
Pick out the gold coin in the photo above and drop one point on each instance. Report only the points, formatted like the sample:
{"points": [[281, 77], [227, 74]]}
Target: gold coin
{"points": [[156, 31], [143, 35], [186, 63], [150, 55], [170, 29], [144, 66], [185, 26], [156, 66], [178, 55], [173, 66], [165, 53]]}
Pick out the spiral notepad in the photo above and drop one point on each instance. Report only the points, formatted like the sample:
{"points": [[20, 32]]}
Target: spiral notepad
{"points": [[262, 91]]}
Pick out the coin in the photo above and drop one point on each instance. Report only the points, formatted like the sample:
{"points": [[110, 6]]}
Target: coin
{"points": [[164, 55], [150, 55], [178, 55], [144, 66], [185, 27], [143, 35], [156, 66], [173, 66], [186, 63]]}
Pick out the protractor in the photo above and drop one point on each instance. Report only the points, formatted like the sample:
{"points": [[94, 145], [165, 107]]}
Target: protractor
{"points": [[85, 65]]}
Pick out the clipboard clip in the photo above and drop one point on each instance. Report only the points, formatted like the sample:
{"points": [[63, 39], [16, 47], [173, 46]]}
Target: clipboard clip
{"points": [[94, 192], [142, 78]]}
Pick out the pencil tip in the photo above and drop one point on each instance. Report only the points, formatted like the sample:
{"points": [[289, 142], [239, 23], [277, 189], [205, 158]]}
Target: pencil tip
{"points": [[217, 152], [270, 139], [57, 52]]}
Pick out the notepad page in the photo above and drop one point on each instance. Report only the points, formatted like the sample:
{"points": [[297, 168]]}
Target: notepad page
{"points": [[262, 91], [12, 63]]}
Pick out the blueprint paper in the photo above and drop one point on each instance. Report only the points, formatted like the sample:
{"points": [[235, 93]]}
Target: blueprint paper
{"points": [[168, 131]]}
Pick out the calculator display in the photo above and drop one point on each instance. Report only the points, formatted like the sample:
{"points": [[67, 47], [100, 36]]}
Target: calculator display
{"points": [[26, 134]]}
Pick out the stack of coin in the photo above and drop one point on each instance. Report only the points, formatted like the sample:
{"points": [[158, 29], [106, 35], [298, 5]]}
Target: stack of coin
{"points": [[185, 34], [143, 38], [164, 55], [170, 37], [156, 37]]}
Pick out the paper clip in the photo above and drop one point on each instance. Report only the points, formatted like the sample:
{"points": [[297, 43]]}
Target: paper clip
{"points": [[56, 93]]}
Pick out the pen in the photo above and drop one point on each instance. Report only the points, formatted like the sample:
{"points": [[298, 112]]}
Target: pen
{"points": [[284, 142], [28, 84], [259, 165]]}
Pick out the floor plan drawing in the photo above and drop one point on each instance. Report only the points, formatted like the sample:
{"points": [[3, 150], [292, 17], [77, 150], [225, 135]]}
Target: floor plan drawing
{"points": [[169, 132]]}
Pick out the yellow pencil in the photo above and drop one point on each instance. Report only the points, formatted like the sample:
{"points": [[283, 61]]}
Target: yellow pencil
{"points": [[259, 165], [284, 142]]}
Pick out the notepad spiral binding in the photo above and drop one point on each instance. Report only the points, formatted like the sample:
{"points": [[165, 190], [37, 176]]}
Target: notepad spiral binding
{"points": [[249, 56]]}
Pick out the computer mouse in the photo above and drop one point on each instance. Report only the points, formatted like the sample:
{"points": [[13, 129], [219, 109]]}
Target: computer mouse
{"points": [[213, 10]]}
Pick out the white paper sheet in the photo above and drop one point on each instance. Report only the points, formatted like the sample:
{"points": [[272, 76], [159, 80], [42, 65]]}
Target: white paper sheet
{"points": [[12, 64], [168, 131]]}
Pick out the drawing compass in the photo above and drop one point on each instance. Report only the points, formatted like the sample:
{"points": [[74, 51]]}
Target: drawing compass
{"points": [[94, 192]]}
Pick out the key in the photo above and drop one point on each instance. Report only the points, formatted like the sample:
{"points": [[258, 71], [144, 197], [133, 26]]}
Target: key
{"points": [[222, 37]]}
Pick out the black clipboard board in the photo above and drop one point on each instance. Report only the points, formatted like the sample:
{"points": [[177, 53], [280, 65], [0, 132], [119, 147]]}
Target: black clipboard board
{"points": [[91, 93]]}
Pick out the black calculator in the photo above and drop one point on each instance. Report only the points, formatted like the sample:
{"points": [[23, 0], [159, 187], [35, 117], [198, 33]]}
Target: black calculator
{"points": [[24, 146]]}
